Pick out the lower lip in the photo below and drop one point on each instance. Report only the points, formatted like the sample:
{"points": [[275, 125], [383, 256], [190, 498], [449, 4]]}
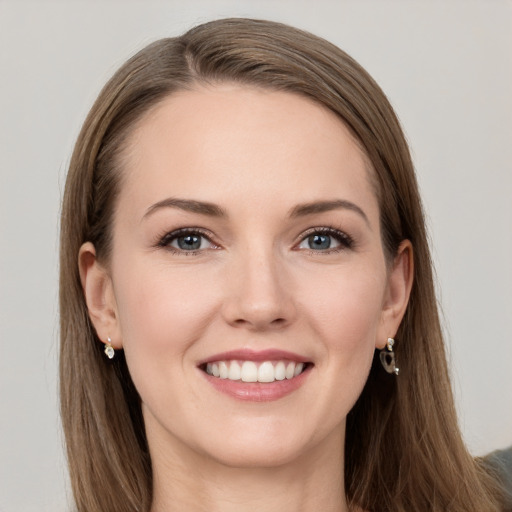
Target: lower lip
{"points": [[258, 391]]}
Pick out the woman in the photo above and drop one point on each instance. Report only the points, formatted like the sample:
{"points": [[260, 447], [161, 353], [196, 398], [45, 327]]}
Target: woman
{"points": [[252, 320]]}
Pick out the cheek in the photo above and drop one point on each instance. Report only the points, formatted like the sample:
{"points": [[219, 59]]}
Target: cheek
{"points": [[345, 306], [162, 315], [161, 310]]}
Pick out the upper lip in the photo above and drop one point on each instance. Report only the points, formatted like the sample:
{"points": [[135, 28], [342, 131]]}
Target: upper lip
{"points": [[255, 355]]}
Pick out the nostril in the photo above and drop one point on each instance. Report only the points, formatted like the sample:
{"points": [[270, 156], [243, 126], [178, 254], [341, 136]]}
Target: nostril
{"points": [[277, 322]]}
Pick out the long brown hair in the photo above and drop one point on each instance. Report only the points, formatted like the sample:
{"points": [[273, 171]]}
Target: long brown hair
{"points": [[403, 447]]}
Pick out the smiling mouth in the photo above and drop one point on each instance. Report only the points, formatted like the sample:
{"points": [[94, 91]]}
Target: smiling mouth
{"points": [[251, 371]]}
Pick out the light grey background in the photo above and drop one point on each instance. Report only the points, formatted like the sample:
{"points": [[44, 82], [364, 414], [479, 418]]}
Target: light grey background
{"points": [[446, 67]]}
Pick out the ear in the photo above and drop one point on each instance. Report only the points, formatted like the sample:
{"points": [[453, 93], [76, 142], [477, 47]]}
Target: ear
{"points": [[99, 295], [397, 294]]}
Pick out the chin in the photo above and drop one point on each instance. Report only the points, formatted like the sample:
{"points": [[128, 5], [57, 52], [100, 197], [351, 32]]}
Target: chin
{"points": [[254, 456], [266, 446]]}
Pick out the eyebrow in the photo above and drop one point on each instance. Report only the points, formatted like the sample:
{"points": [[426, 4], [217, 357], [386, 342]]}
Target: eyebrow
{"points": [[213, 210], [187, 205], [302, 210]]}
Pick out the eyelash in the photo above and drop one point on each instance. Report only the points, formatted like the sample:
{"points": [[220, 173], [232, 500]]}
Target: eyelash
{"points": [[166, 240], [345, 241]]}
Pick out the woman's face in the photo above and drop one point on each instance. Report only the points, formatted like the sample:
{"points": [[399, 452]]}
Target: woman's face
{"points": [[247, 246]]}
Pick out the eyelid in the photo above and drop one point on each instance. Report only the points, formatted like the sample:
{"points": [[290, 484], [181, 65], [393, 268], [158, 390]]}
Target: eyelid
{"points": [[345, 240], [164, 241]]}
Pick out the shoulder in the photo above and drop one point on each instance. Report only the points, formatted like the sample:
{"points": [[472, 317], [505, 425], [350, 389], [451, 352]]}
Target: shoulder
{"points": [[501, 462]]}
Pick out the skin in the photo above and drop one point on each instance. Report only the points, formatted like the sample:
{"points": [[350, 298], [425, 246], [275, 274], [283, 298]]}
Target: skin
{"points": [[255, 283]]}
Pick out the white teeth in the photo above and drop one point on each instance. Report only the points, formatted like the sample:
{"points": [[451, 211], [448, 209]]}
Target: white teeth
{"points": [[290, 370], [266, 372], [249, 371], [235, 372], [223, 370], [280, 371]]}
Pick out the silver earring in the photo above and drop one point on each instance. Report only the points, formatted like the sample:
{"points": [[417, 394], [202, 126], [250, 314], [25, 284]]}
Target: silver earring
{"points": [[387, 358], [109, 349]]}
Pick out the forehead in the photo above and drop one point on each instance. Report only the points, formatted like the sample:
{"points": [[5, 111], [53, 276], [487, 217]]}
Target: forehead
{"points": [[213, 142]]}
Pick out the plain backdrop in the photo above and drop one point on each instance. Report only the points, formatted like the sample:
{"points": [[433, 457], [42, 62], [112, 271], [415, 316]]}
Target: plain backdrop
{"points": [[446, 67]]}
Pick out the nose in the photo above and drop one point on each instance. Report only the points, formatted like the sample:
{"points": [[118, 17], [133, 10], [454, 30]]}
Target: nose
{"points": [[259, 293]]}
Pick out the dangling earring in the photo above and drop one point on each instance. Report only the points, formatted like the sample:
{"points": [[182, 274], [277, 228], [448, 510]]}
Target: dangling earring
{"points": [[109, 349], [387, 358]]}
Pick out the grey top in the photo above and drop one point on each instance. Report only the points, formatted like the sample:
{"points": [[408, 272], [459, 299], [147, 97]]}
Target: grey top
{"points": [[501, 462]]}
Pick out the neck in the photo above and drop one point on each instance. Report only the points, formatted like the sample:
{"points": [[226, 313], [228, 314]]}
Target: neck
{"points": [[187, 480]]}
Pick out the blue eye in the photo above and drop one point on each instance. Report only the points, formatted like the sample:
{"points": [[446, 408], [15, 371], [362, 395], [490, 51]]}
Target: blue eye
{"points": [[185, 240], [319, 242], [325, 240], [190, 242]]}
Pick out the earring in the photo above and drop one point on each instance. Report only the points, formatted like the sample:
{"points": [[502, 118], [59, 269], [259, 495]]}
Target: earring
{"points": [[109, 349], [387, 358]]}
